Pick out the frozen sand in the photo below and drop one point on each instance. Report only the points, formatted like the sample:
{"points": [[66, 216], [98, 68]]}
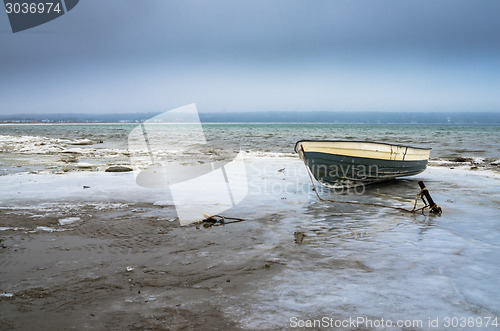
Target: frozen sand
{"points": [[251, 275]]}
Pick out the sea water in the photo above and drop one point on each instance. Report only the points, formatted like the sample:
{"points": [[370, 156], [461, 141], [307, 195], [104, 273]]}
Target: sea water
{"points": [[447, 141], [352, 262]]}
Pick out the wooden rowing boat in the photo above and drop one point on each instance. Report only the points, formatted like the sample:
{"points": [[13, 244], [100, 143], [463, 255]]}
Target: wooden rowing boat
{"points": [[337, 163]]}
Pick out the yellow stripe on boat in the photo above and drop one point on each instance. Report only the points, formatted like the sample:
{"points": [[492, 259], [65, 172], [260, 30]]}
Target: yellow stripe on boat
{"points": [[366, 149]]}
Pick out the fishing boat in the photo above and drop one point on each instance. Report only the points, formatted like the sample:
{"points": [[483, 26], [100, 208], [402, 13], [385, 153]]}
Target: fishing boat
{"points": [[339, 163]]}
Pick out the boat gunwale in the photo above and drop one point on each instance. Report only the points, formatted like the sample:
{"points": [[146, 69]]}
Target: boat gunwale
{"points": [[358, 141]]}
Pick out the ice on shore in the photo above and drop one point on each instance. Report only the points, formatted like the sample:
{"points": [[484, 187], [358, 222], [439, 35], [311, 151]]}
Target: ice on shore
{"points": [[84, 165], [48, 229], [163, 203], [69, 220], [82, 142], [6, 295], [37, 144], [7, 228], [410, 266]]}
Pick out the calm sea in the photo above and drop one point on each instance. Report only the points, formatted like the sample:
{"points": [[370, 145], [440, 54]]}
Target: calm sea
{"points": [[447, 141]]}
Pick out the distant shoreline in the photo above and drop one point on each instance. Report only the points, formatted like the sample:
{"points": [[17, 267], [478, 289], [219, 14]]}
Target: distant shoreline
{"points": [[239, 123], [246, 123], [316, 117]]}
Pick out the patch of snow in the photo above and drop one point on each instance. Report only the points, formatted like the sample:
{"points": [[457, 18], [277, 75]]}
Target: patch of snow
{"points": [[69, 220]]}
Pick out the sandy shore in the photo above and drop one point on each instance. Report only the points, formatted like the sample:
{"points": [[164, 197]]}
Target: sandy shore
{"points": [[112, 256], [125, 270]]}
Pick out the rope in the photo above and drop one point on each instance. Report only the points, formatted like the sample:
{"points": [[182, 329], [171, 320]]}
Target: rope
{"points": [[368, 203], [220, 220]]}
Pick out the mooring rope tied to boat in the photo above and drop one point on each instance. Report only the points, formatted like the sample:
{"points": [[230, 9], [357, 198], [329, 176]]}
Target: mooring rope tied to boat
{"points": [[216, 220], [435, 209]]}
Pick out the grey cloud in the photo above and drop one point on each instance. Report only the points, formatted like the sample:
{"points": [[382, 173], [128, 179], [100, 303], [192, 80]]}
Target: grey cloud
{"points": [[100, 43]]}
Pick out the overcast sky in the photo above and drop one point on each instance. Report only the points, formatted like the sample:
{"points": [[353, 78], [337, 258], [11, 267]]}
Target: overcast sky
{"points": [[350, 55]]}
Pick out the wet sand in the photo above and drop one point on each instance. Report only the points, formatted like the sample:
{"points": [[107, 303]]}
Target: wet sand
{"points": [[125, 270], [112, 256]]}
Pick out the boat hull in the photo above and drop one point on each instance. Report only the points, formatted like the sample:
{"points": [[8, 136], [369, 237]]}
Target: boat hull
{"points": [[347, 163]]}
